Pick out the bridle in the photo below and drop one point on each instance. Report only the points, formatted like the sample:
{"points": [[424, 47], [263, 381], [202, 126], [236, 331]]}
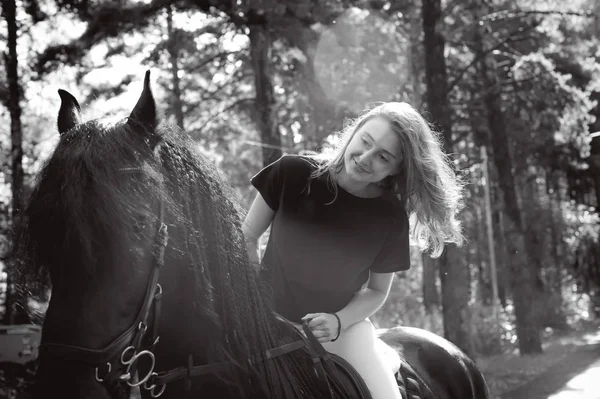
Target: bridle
{"points": [[116, 364]]}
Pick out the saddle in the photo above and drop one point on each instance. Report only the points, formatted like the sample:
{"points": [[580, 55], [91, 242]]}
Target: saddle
{"points": [[411, 385], [338, 371]]}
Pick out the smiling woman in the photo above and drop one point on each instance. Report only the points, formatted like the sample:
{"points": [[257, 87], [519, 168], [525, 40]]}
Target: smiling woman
{"points": [[340, 229], [372, 155]]}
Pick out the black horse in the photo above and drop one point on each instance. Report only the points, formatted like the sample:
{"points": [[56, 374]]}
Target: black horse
{"points": [[152, 287]]}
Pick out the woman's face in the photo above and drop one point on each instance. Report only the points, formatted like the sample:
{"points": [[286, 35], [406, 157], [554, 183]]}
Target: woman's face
{"points": [[374, 152]]}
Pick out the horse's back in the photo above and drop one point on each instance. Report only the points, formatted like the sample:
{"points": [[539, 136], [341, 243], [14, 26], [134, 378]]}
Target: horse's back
{"points": [[443, 367]]}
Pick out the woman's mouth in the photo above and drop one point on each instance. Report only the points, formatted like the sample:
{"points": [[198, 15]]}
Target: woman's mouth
{"points": [[359, 167]]}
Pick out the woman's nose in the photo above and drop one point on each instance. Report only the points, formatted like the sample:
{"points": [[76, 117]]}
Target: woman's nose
{"points": [[365, 157]]}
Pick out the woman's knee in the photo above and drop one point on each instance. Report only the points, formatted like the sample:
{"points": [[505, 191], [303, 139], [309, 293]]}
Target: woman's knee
{"points": [[362, 330], [356, 344]]}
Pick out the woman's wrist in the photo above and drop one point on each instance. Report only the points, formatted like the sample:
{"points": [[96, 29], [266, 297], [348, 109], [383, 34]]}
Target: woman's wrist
{"points": [[339, 327], [365, 303]]}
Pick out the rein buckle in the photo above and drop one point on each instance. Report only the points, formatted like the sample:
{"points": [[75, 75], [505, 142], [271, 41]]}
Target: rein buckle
{"points": [[102, 379]]}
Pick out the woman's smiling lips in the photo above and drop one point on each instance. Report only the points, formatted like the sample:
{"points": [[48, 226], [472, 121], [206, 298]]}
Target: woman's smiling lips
{"points": [[359, 167]]}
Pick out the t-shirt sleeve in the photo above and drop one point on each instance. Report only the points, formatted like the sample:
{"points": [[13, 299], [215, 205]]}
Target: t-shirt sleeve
{"points": [[395, 254], [287, 174]]}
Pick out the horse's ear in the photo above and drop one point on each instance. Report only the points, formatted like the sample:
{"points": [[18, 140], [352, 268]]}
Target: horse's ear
{"points": [[69, 114], [143, 116]]}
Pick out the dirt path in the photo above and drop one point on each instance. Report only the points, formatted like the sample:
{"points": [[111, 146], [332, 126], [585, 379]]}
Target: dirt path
{"points": [[575, 377]]}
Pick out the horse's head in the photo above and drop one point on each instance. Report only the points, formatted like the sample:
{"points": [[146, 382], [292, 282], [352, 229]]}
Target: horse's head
{"points": [[93, 224]]}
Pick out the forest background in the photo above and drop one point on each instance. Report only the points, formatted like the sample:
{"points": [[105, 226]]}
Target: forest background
{"points": [[512, 85]]}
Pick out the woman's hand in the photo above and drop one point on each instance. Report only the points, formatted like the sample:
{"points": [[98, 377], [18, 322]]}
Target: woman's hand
{"points": [[324, 326]]}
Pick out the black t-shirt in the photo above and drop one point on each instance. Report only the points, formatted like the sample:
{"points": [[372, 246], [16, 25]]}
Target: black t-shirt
{"points": [[319, 253]]}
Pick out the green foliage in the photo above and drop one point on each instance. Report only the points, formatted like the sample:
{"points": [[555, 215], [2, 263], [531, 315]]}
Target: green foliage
{"points": [[582, 229], [549, 118], [492, 333], [405, 304]]}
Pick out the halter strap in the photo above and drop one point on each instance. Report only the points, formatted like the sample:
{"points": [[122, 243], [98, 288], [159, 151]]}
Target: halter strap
{"points": [[132, 337]]}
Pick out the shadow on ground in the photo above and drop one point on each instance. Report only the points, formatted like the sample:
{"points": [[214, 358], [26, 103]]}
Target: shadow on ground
{"points": [[557, 377]]}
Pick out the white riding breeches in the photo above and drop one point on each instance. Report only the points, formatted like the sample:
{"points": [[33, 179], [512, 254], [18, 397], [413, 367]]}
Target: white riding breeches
{"points": [[360, 346]]}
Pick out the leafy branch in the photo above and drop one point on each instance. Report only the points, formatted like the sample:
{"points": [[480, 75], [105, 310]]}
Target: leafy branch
{"points": [[480, 55]]}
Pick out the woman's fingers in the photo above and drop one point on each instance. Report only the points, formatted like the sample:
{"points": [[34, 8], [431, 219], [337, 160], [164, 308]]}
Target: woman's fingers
{"points": [[315, 319], [321, 326], [312, 316], [322, 335]]}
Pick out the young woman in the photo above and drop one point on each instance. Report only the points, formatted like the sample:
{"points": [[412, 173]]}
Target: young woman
{"points": [[340, 228]]}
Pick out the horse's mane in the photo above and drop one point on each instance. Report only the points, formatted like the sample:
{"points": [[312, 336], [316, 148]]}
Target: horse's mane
{"points": [[225, 275], [227, 291]]}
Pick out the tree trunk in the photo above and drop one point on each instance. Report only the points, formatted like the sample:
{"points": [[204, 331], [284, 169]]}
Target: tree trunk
{"points": [[16, 312], [594, 163], [172, 48], [594, 159], [431, 297], [502, 253], [456, 281], [485, 286], [454, 273], [493, 270], [556, 245], [485, 259], [523, 279], [416, 55], [538, 240], [260, 46], [523, 276]]}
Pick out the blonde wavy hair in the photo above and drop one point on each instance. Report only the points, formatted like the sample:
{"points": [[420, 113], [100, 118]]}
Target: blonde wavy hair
{"points": [[427, 183]]}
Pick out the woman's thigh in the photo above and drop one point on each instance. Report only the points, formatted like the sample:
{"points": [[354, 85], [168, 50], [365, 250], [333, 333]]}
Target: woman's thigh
{"points": [[358, 346]]}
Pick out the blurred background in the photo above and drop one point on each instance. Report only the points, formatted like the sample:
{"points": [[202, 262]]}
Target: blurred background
{"points": [[512, 86]]}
